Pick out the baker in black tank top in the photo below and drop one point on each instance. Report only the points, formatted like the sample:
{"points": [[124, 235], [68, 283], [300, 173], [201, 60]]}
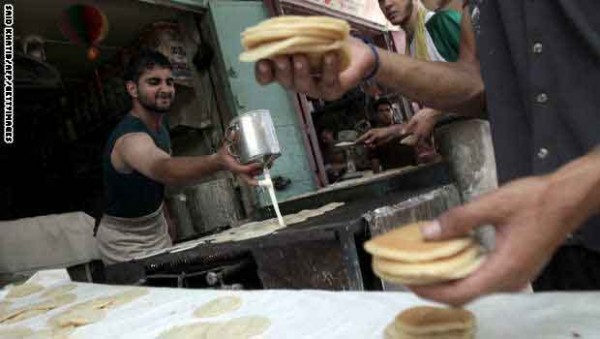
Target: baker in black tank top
{"points": [[137, 165]]}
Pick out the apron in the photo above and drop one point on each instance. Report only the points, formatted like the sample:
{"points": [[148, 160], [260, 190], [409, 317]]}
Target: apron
{"points": [[121, 239]]}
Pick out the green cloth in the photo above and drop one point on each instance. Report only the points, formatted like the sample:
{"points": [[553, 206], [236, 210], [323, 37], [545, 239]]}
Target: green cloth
{"points": [[132, 195], [444, 29]]}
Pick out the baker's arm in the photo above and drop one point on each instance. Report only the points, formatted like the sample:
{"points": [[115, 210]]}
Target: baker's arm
{"points": [[137, 151]]}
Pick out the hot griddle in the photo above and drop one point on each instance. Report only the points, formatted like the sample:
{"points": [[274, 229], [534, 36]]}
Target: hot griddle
{"points": [[361, 199], [324, 252], [353, 211]]}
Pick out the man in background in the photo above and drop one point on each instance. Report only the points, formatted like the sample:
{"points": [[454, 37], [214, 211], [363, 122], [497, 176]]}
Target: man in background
{"points": [[386, 153], [430, 36]]}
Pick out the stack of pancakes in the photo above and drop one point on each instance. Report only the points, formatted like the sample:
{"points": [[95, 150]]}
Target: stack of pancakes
{"points": [[402, 256], [426, 322], [309, 35]]}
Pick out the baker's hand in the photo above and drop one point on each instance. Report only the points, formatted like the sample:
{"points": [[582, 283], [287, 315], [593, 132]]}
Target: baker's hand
{"points": [[294, 73], [422, 123], [380, 136], [531, 219], [229, 163]]}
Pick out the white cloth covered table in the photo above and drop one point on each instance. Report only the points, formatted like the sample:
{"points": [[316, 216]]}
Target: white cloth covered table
{"points": [[320, 314]]}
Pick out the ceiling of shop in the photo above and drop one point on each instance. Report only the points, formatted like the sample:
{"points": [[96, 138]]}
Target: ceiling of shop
{"points": [[126, 20]]}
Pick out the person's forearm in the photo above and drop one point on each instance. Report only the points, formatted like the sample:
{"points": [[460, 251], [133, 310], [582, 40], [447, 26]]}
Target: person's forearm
{"points": [[577, 186], [397, 131], [447, 86], [186, 170], [433, 113]]}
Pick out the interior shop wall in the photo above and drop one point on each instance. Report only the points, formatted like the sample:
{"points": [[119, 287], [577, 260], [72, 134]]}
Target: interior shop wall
{"points": [[230, 18]]}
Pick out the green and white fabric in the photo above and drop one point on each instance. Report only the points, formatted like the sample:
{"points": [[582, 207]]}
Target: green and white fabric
{"points": [[437, 35]]}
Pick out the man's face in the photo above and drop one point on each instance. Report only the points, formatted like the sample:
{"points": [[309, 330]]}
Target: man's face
{"points": [[156, 90], [398, 12], [339, 157], [384, 114], [327, 137]]}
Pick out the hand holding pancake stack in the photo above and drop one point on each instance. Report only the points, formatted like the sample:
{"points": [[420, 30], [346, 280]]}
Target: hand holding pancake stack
{"points": [[284, 35], [402, 256]]}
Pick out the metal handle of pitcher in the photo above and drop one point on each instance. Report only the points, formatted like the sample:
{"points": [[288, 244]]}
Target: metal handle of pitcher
{"points": [[231, 130]]}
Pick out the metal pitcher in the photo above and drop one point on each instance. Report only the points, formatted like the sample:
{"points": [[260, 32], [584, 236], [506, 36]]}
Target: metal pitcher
{"points": [[252, 138]]}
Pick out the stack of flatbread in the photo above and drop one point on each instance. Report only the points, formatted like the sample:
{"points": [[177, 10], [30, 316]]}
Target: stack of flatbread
{"points": [[432, 323], [310, 35], [402, 256]]}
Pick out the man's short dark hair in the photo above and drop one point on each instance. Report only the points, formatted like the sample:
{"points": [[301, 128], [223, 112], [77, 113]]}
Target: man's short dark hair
{"points": [[145, 59], [326, 129]]}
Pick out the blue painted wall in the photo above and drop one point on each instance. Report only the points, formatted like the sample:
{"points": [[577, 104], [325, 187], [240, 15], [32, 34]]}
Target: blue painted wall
{"points": [[230, 19]]}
